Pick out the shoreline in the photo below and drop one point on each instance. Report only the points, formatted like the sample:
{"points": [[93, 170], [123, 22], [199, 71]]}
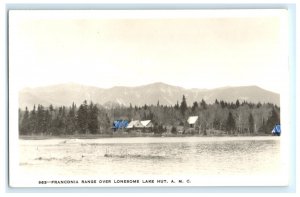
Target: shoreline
{"points": [[99, 136]]}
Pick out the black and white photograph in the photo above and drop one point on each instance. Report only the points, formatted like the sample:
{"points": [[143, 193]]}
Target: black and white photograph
{"points": [[107, 98]]}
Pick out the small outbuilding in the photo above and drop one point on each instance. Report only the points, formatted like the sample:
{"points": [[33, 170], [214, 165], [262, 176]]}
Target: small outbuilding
{"points": [[276, 130]]}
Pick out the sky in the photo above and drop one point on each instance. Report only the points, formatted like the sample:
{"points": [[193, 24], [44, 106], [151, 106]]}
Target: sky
{"points": [[114, 48]]}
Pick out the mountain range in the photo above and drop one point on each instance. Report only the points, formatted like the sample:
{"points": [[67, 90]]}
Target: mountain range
{"points": [[65, 94]]}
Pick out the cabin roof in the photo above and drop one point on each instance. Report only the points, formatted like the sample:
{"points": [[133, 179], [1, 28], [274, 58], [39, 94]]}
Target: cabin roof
{"points": [[145, 122], [192, 119], [118, 124], [134, 123]]}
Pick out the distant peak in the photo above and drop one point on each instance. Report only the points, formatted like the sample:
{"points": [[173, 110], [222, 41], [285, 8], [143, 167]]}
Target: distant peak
{"points": [[160, 84], [157, 84]]}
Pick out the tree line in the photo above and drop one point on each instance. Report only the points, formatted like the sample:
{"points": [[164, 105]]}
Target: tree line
{"points": [[89, 118]]}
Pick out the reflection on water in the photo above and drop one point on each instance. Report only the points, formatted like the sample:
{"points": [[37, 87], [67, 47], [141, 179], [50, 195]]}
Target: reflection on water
{"points": [[152, 156]]}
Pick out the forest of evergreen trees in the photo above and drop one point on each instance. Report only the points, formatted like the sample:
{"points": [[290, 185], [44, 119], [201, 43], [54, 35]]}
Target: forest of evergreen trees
{"points": [[237, 118]]}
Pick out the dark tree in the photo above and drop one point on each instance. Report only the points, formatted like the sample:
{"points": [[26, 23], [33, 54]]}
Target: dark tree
{"points": [[51, 109], [230, 124], [59, 122], [203, 104], [71, 126], [33, 121], [258, 105], [48, 122], [217, 102], [195, 107], [237, 103], [216, 123], [176, 106], [183, 106], [25, 124], [145, 107], [41, 120], [223, 104], [93, 124], [251, 123], [82, 118]]}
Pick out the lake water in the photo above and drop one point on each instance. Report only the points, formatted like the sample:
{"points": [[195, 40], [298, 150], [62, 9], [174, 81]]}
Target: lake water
{"points": [[151, 156]]}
